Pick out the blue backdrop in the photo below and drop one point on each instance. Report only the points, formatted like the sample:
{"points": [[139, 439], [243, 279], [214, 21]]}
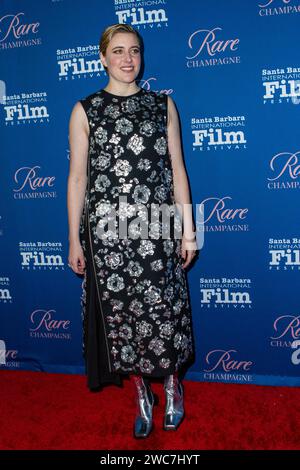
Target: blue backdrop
{"points": [[232, 68]]}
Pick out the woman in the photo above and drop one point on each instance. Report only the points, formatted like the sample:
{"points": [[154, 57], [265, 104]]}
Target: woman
{"points": [[126, 159]]}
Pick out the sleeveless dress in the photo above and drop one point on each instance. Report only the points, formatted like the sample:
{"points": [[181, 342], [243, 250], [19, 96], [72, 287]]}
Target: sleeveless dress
{"points": [[135, 309]]}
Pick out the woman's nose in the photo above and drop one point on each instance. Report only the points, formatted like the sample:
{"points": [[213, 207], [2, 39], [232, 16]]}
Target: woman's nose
{"points": [[128, 57]]}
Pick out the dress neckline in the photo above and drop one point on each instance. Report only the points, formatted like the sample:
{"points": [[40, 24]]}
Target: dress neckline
{"points": [[122, 96]]}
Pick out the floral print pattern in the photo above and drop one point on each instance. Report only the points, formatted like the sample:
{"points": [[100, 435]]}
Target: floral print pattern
{"points": [[141, 285]]}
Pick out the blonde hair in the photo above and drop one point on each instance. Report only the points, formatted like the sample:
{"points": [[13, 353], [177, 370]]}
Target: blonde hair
{"points": [[111, 30]]}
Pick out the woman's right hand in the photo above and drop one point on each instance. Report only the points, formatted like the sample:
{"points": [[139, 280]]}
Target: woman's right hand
{"points": [[76, 258]]}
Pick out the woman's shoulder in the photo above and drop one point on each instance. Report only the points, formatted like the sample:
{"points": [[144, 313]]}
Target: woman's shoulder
{"points": [[90, 96], [89, 101]]}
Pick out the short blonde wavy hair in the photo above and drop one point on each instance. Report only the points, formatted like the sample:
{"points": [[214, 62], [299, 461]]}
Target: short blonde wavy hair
{"points": [[111, 30]]}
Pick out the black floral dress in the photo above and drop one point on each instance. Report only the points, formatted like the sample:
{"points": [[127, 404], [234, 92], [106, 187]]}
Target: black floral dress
{"points": [[135, 307]]}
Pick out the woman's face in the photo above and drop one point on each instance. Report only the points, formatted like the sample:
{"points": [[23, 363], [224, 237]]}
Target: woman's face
{"points": [[123, 57]]}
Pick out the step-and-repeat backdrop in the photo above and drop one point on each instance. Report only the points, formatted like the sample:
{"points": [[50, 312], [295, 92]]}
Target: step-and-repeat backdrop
{"points": [[233, 70]]}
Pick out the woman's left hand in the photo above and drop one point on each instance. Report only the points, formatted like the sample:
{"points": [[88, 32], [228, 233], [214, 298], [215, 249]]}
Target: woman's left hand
{"points": [[188, 250]]}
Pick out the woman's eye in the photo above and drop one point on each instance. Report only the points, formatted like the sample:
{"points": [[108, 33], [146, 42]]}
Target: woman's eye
{"points": [[135, 51]]}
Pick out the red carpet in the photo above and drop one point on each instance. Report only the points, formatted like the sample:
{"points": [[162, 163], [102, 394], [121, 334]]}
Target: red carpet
{"points": [[57, 411]]}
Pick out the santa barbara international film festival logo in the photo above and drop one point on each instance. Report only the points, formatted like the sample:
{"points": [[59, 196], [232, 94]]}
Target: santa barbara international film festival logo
{"points": [[278, 7], [77, 62], [226, 365], [284, 254], [281, 85], [5, 293], [44, 324], [219, 133], [211, 47], [141, 18], [225, 293], [26, 108], [285, 171], [17, 30], [41, 256]]}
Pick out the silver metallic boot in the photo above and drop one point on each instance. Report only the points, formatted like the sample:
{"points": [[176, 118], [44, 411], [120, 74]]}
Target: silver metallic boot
{"points": [[174, 411], [145, 399]]}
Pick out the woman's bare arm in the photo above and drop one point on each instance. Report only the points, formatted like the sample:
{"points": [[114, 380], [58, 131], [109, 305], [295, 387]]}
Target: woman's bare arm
{"points": [[181, 188], [77, 179]]}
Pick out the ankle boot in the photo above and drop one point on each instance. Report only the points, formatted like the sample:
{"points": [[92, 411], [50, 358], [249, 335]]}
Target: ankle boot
{"points": [[174, 411], [145, 400]]}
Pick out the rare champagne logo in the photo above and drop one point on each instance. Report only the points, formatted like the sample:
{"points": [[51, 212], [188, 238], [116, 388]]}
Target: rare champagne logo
{"points": [[208, 48], [31, 184], [45, 325], [220, 216], [278, 7], [285, 170], [8, 357], [286, 330], [224, 365], [16, 32]]}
